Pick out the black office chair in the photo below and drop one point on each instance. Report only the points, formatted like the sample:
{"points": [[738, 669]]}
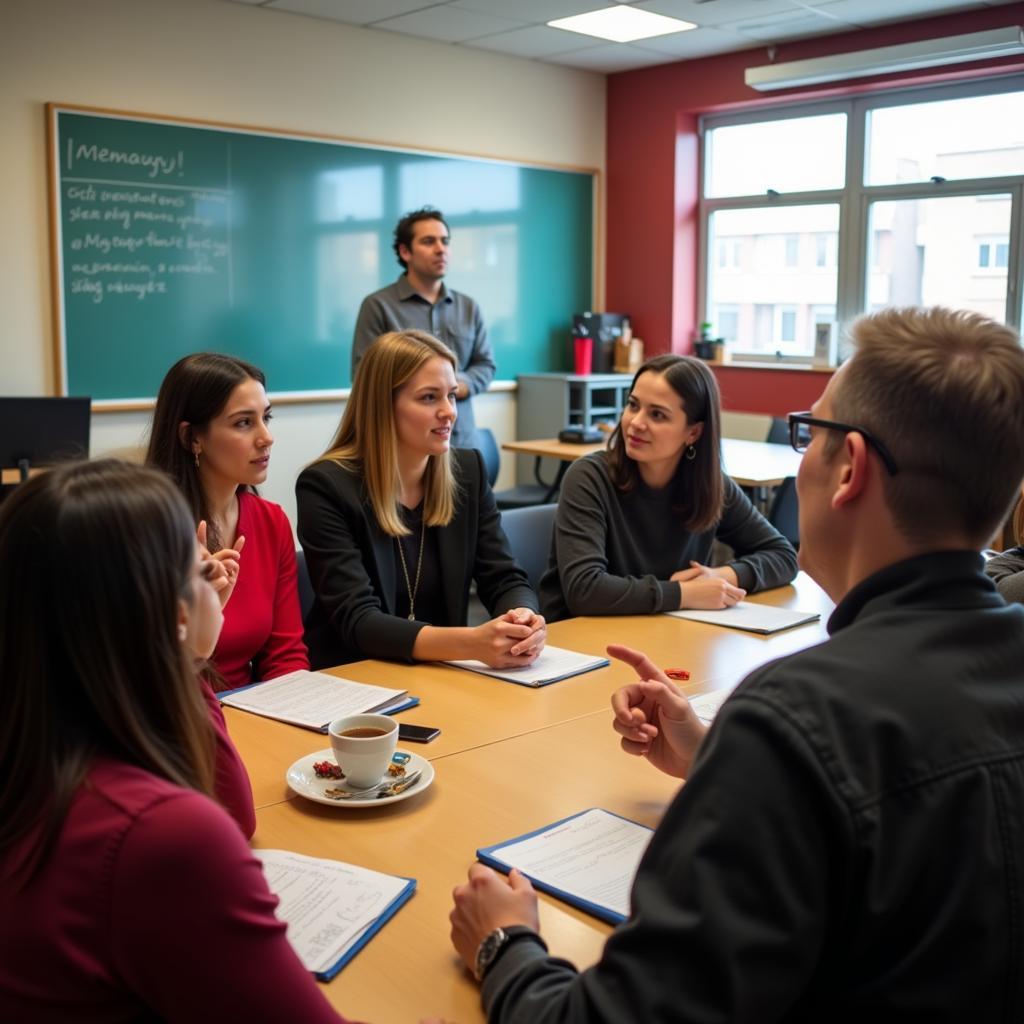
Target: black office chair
{"points": [[784, 513], [305, 585], [529, 536], [520, 496], [778, 432]]}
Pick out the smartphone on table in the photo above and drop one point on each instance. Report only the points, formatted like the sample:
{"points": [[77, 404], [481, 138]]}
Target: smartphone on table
{"points": [[417, 733]]}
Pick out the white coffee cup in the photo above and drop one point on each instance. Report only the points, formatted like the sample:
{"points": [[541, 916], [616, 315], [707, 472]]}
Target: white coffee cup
{"points": [[363, 745]]}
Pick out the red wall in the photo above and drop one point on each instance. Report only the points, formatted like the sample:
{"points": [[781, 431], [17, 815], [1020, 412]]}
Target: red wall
{"points": [[652, 213]]}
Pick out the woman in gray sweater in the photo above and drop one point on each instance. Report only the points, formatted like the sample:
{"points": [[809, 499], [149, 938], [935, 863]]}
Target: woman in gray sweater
{"points": [[1006, 570], [636, 523]]}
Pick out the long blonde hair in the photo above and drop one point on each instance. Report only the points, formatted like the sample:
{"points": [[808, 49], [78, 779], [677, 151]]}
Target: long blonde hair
{"points": [[367, 439]]}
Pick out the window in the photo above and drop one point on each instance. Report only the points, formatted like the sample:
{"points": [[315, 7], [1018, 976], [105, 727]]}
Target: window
{"points": [[993, 254], [769, 297], [792, 243], [899, 197]]}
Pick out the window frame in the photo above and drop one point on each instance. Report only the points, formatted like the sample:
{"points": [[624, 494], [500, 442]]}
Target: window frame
{"points": [[854, 199]]}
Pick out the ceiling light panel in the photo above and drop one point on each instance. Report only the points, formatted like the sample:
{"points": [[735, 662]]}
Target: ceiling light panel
{"points": [[622, 24]]}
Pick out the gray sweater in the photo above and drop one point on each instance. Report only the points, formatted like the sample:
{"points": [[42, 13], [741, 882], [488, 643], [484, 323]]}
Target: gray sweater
{"points": [[1006, 570], [613, 552]]}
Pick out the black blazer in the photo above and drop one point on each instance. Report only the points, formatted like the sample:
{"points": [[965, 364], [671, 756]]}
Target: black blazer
{"points": [[352, 564]]}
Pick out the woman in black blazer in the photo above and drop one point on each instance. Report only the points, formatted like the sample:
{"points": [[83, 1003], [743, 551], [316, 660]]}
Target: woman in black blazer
{"points": [[395, 526]]}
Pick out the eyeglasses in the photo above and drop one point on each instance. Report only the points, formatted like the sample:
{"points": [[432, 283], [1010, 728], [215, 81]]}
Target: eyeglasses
{"points": [[800, 424]]}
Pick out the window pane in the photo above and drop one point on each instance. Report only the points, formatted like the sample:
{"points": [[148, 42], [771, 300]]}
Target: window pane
{"points": [[769, 300], [794, 155], [973, 137], [934, 251]]}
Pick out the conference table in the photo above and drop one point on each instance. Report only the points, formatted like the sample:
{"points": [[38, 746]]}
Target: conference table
{"points": [[753, 464], [509, 759]]}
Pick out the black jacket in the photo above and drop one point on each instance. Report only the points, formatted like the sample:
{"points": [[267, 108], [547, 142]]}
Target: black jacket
{"points": [[850, 844], [352, 564]]}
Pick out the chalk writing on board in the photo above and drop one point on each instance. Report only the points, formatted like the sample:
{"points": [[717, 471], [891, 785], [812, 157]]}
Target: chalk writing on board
{"points": [[129, 244], [155, 163]]}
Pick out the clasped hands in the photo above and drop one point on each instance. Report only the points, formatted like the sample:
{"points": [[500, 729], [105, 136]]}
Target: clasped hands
{"points": [[515, 638], [701, 586], [655, 721]]}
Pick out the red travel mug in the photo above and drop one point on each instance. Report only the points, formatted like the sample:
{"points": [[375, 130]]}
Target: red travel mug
{"points": [[583, 355]]}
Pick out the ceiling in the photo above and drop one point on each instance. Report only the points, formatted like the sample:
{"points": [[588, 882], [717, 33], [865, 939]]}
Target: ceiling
{"points": [[517, 27]]}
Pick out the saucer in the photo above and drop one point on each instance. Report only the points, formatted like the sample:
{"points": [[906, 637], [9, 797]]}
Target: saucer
{"points": [[303, 780]]}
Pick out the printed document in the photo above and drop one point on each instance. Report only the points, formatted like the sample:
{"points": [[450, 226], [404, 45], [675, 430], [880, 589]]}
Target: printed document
{"points": [[589, 860]]}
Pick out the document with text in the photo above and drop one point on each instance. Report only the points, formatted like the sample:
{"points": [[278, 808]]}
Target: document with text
{"points": [[315, 699], [553, 664], [588, 860], [331, 909], [749, 616]]}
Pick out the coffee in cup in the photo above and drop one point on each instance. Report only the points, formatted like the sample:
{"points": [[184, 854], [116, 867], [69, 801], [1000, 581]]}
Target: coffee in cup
{"points": [[363, 745]]}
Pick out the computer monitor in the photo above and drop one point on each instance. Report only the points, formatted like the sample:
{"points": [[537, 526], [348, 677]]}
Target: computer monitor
{"points": [[42, 431]]}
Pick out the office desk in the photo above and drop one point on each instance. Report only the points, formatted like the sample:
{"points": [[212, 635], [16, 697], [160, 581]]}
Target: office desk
{"points": [[479, 796], [474, 710], [749, 463]]}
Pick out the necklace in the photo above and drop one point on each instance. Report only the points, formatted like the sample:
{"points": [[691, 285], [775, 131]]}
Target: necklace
{"points": [[413, 587]]}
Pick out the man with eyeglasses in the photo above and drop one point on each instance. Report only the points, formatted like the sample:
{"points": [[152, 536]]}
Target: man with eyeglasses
{"points": [[849, 844]]}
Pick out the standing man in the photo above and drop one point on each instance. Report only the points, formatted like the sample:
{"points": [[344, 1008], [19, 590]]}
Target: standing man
{"points": [[420, 299], [849, 844]]}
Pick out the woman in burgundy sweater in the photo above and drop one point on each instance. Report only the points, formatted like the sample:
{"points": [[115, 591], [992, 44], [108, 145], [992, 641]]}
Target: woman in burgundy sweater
{"points": [[211, 434], [114, 860]]}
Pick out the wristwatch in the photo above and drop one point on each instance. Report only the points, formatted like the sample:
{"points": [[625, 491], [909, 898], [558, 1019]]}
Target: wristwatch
{"points": [[497, 942]]}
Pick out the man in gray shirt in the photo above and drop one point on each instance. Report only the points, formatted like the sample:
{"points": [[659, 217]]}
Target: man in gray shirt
{"points": [[420, 299]]}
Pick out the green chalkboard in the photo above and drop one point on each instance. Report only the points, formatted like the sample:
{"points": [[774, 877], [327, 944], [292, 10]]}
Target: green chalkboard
{"points": [[172, 237]]}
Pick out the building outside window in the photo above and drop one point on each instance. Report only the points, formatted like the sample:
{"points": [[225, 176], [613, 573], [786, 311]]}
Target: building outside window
{"points": [[909, 197]]}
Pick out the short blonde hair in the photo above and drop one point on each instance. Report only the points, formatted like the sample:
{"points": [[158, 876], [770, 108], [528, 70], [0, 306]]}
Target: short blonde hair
{"points": [[367, 439], [944, 391]]}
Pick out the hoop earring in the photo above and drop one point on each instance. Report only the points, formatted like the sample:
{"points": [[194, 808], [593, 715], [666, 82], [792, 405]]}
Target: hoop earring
{"points": [[691, 453]]}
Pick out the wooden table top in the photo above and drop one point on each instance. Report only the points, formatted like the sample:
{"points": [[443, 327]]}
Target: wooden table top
{"points": [[474, 710], [479, 796], [749, 463], [510, 759]]}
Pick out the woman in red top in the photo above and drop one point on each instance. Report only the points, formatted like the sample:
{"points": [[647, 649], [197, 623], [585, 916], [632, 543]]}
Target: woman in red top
{"points": [[211, 434], [127, 893]]}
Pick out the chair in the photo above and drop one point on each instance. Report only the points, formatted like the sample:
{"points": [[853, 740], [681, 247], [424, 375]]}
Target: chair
{"points": [[305, 585], [488, 448], [784, 511], [529, 536], [520, 496], [778, 432]]}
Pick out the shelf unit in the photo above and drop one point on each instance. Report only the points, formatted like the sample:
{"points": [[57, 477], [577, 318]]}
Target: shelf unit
{"points": [[548, 402]]}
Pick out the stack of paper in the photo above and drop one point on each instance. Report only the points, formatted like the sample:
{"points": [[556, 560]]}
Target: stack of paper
{"points": [[755, 618], [331, 909], [553, 664], [588, 860], [315, 699]]}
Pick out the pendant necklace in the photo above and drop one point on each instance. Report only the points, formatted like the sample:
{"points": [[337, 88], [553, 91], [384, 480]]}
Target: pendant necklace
{"points": [[413, 587]]}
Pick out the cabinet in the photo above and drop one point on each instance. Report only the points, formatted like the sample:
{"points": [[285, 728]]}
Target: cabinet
{"points": [[547, 402]]}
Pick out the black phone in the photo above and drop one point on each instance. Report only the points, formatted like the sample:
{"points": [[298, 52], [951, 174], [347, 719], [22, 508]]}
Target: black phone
{"points": [[417, 733]]}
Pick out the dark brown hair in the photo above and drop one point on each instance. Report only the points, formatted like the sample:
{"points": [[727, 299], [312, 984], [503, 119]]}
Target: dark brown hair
{"points": [[195, 391], [404, 229], [96, 557], [943, 390], [697, 488]]}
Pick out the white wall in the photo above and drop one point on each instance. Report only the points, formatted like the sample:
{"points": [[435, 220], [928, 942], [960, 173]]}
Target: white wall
{"points": [[224, 61]]}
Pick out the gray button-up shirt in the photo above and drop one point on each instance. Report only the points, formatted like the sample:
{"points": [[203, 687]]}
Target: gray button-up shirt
{"points": [[454, 319]]}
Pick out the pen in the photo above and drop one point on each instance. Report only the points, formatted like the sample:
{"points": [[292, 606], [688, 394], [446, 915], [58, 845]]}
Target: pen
{"points": [[677, 673]]}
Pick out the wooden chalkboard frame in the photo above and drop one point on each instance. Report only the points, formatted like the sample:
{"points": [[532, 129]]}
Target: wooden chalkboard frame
{"points": [[133, 403]]}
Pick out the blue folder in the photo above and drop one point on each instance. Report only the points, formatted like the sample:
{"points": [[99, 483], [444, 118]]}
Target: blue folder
{"points": [[486, 855]]}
